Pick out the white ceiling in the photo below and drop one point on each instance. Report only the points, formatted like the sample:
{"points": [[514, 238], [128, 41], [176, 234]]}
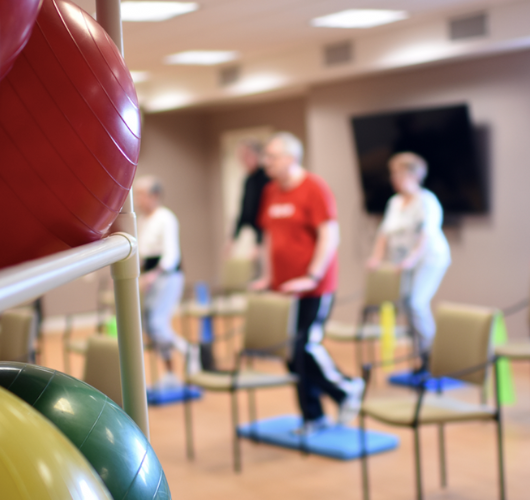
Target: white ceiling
{"points": [[262, 29]]}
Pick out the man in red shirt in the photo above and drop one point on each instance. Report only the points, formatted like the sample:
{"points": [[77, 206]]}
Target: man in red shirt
{"points": [[301, 234]]}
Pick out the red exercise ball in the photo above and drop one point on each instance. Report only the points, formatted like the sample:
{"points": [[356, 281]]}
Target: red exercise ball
{"points": [[17, 18], [69, 136]]}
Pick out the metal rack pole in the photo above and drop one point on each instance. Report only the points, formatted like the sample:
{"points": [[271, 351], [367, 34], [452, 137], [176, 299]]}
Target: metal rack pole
{"points": [[125, 275]]}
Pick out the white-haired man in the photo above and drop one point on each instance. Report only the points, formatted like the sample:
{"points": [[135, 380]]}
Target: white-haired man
{"points": [[301, 235], [162, 279]]}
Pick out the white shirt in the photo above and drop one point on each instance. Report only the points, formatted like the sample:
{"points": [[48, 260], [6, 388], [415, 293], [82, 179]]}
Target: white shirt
{"points": [[158, 236], [403, 226]]}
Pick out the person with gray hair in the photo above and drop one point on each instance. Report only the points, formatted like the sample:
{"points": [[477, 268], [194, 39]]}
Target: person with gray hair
{"points": [[301, 236], [411, 238], [162, 279]]}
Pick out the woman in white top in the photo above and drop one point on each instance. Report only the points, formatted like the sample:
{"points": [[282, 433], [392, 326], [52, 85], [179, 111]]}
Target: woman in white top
{"points": [[162, 280], [411, 237]]}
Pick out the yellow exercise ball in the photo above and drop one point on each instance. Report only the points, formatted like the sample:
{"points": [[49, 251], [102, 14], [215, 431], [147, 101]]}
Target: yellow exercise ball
{"points": [[37, 462]]}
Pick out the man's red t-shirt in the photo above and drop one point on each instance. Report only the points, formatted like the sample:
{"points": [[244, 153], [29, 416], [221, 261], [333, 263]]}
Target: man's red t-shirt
{"points": [[291, 218]]}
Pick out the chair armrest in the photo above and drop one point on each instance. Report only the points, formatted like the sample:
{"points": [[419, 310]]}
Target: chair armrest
{"points": [[267, 350], [264, 352], [459, 373], [379, 364]]}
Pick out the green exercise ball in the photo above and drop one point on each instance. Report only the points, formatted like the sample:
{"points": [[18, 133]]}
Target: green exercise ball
{"points": [[37, 462], [98, 427]]}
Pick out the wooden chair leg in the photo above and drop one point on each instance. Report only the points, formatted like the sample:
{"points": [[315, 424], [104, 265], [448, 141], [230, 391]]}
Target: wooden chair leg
{"points": [[236, 440], [188, 423], [364, 459], [417, 459], [441, 447]]}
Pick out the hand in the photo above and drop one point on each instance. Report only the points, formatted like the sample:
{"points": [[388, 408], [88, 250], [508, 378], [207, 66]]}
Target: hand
{"points": [[259, 285], [299, 285], [373, 262]]}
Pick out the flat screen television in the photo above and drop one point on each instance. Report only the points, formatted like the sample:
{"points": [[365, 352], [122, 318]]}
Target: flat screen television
{"points": [[444, 136]]}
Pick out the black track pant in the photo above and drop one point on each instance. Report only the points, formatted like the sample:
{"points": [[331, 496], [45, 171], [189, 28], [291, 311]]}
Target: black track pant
{"points": [[312, 363]]}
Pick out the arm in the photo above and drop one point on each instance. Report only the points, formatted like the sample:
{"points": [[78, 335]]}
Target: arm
{"points": [[243, 217], [170, 255], [378, 252], [171, 246], [264, 281], [381, 240], [239, 225], [328, 239]]}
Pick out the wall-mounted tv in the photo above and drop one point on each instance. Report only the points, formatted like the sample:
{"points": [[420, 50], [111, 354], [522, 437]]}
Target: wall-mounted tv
{"points": [[444, 136]]}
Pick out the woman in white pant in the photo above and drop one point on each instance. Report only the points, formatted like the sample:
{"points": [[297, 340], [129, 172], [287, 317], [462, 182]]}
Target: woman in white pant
{"points": [[162, 280], [411, 237]]}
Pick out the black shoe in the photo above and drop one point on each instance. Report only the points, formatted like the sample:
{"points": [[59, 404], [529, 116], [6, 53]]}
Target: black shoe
{"points": [[207, 359]]}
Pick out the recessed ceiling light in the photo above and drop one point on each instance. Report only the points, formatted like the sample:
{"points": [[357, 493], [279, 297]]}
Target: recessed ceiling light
{"points": [[139, 76], [155, 11], [201, 57], [359, 18], [255, 84], [168, 100]]}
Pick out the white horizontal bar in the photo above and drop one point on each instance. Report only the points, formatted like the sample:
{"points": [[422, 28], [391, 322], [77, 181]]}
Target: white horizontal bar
{"points": [[30, 280]]}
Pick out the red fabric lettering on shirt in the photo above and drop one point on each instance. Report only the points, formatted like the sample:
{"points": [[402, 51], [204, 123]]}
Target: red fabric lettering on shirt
{"points": [[290, 219]]}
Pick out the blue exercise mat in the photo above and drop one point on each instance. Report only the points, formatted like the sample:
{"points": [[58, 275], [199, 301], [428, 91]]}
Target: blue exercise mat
{"points": [[409, 379], [342, 443], [172, 395]]}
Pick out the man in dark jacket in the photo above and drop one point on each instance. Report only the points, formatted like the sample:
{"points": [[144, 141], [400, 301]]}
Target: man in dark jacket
{"points": [[249, 154]]}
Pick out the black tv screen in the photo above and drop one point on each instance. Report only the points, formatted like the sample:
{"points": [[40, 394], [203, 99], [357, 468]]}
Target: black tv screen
{"points": [[444, 136]]}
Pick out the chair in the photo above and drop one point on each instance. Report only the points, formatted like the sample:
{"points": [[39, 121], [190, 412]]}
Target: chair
{"points": [[229, 298], [102, 366], [382, 285], [269, 330], [107, 305], [515, 350], [18, 332], [461, 350], [236, 274]]}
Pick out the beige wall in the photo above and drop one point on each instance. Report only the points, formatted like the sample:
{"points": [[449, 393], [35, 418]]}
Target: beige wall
{"points": [[491, 254], [174, 148]]}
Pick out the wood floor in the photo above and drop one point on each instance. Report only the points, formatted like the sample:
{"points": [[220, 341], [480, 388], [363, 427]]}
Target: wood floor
{"points": [[271, 473]]}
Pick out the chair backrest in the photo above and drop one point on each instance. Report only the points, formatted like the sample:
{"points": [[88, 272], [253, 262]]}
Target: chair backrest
{"points": [[270, 320], [236, 275], [18, 331], [102, 366], [463, 340], [382, 285]]}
